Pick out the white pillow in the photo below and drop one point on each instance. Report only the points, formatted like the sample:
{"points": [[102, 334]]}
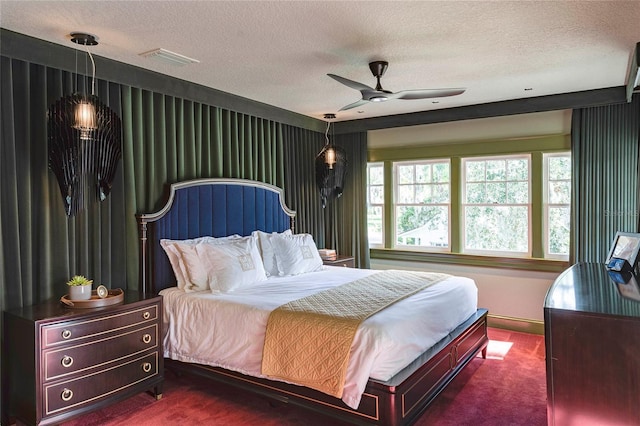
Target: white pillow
{"points": [[266, 250], [296, 254], [230, 266], [175, 248]]}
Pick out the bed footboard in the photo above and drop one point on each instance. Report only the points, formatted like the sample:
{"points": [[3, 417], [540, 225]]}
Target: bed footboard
{"points": [[399, 401]]}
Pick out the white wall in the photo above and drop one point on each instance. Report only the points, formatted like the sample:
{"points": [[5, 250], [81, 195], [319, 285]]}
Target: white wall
{"points": [[504, 292], [480, 129]]}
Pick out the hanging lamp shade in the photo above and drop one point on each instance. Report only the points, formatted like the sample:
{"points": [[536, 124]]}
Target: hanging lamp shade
{"points": [[331, 169], [85, 146]]}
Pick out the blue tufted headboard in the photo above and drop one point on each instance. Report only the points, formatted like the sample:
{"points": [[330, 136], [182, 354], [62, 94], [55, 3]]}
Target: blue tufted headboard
{"points": [[201, 207]]}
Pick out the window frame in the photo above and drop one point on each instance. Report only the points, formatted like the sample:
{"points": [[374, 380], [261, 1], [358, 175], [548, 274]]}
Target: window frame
{"points": [[534, 145], [464, 204], [382, 206], [396, 204], [546, 205]]}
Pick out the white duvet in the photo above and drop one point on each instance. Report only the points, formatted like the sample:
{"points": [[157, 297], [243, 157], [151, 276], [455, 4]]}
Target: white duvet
{"points": [[227, 330]]}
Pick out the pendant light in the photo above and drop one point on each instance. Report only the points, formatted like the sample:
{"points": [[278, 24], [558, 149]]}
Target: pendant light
{"points": [[84, 141], [331, 167]]}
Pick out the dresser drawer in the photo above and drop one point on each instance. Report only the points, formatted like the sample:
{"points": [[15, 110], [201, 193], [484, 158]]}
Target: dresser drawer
{"points": [[97, 352], [91, 388], [57, 334]]}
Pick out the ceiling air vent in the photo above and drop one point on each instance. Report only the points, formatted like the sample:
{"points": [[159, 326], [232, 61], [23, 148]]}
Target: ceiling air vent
{"points": [[168, 57]]}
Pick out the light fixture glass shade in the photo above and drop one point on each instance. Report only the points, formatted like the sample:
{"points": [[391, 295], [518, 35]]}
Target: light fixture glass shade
{"points": [[83, 158], [85, 118], [330, 156], [330, 176]]}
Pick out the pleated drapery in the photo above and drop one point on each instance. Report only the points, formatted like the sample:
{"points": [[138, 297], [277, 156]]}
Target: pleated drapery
{"points": [[165, 139], [342, 224], [169, 139], [604, 149], [40, 245]]}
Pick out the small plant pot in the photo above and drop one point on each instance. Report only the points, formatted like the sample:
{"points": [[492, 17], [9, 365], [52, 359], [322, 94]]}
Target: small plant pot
{"points": [[80, 292]]}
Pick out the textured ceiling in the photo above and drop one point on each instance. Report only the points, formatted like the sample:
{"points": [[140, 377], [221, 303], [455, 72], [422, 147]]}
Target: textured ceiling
{"points": [[279, 52]]}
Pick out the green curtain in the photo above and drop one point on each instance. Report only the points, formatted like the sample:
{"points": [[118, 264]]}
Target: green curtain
{"points": [[168, 139], [42, 247], [604, 149], [165, 140], [342, 224], [348, 214]]}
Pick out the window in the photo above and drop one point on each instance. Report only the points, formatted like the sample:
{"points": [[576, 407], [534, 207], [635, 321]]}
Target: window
{"points": [[496, 205], [486, 202], [422, 204], [557, 209], [375, 203]]}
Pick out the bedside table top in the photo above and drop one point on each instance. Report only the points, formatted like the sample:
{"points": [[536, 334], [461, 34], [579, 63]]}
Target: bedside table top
{"points": [[340, 260], [53, 308]]}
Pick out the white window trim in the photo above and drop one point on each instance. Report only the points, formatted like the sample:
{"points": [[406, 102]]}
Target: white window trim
{"points": [[382, 205], [547, 205], [464, 205], [396, 204]]}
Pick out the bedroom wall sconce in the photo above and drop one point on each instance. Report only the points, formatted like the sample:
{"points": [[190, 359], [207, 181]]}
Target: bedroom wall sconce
{"points": [[84, 142], [331, 168]]}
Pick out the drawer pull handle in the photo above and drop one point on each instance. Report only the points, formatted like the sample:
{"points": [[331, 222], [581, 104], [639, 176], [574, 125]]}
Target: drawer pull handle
{"points": [[66, 334], [67, 361], [67, 394], [146, 367], [146, 338], [146, 315]]}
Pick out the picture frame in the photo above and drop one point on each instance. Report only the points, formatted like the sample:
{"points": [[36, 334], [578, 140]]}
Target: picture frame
{"points": [[625, 247]]}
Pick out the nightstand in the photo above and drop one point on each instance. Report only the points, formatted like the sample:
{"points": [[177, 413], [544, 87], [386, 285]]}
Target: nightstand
{"points": [[346, 261], [60, 362]]}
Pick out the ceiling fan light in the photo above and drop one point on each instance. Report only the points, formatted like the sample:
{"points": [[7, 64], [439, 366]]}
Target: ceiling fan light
{"points": [[378, 99]]}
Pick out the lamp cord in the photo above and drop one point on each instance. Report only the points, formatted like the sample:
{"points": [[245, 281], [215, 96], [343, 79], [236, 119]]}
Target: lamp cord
{"points": [[93, 74], [326, 133]]}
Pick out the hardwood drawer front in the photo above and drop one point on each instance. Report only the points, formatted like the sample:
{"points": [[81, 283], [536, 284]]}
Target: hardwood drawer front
{"points": [[466, 347], [438, 369], [63, 333], [69, 360], [90, 388]]}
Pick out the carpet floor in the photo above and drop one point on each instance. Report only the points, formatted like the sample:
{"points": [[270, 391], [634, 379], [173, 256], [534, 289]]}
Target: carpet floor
{"points": [[507, 388]]}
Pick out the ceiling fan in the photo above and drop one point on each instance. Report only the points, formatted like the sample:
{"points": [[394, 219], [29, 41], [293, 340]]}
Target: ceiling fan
{"points": [[378, 94]]}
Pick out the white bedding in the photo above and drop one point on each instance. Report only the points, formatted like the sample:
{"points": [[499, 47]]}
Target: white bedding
{"points": [[227, 330]]}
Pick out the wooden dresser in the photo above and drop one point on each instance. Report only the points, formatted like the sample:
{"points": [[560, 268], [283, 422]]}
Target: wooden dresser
{"points": [[60, 362], [592, 337]]}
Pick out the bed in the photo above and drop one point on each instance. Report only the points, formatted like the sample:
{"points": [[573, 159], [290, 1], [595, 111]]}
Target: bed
{"points": [[388, 394]]}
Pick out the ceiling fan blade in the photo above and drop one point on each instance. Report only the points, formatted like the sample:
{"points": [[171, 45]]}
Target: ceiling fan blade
{"points": [[351, 83], [427, 93], [353, 105]]}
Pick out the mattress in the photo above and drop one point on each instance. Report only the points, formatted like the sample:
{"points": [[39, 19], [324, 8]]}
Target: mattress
{"points": [[227, 330]]}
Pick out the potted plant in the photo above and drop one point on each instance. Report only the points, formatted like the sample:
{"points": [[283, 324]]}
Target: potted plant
{"points": [[79, 288]]}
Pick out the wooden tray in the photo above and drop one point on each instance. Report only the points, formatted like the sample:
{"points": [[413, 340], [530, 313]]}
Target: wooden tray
{"points": [[114, 297]]}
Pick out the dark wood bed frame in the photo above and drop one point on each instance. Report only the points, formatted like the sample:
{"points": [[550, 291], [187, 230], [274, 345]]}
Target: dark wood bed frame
{"points": [[220, 207]]}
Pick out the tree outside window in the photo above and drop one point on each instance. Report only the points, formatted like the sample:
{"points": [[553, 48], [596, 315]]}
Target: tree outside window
{"points": [[557, 204], [496, 205], [422, 195]]}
